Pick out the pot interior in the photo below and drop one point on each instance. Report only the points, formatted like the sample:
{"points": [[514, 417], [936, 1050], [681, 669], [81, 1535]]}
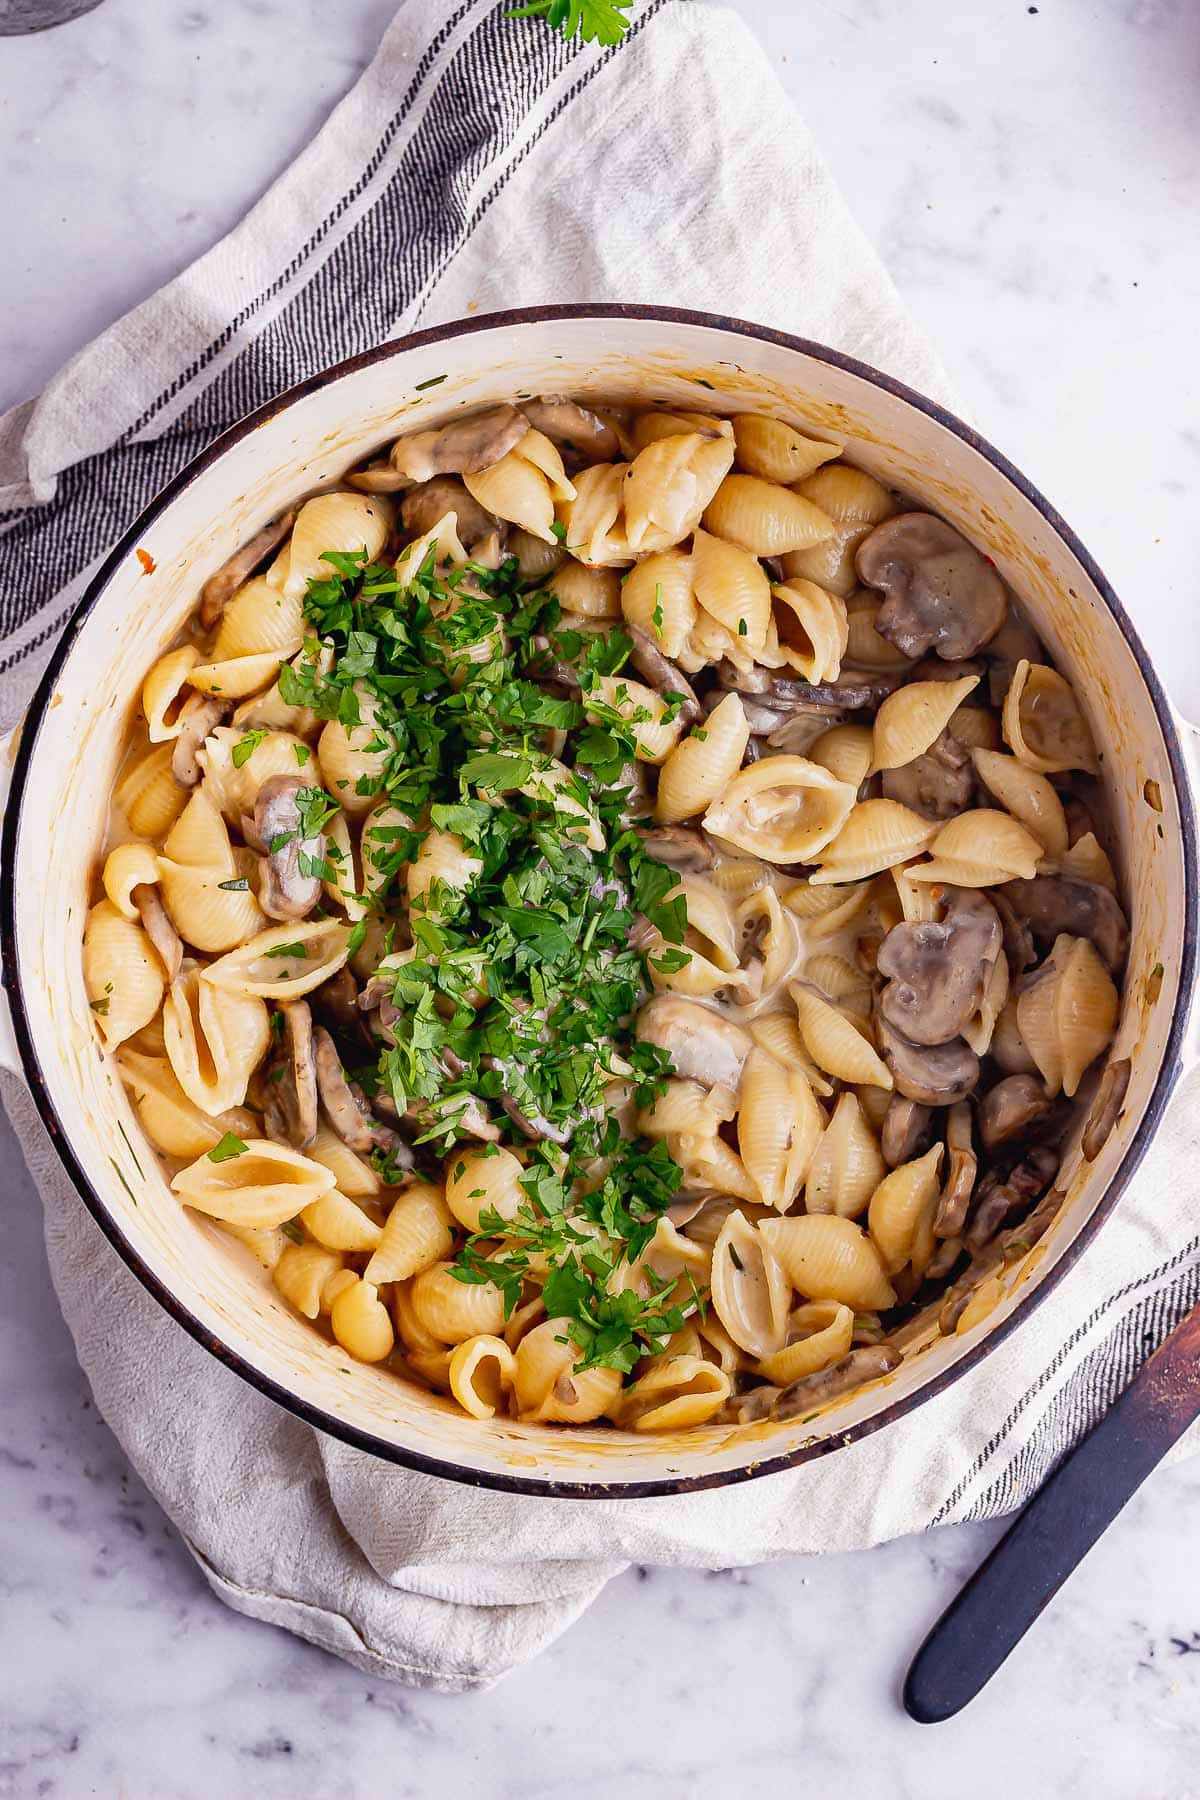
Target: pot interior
{"points": [[80, 723]]}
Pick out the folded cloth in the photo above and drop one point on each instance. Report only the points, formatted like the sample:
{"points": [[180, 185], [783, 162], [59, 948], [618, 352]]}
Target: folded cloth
{"points": [[483, 163]]}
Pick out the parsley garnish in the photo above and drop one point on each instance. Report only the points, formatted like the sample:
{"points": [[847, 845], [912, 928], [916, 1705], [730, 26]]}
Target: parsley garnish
{"points": [[593, 21], [245, 747], [227, 1148], [282, 950]]}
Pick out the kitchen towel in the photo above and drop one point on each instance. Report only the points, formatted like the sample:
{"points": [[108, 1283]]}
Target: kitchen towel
{"points": [[482, 163]]}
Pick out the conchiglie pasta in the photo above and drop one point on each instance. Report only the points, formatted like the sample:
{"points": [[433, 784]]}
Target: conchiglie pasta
{"points": [[669, 484], [552, 786], [914, 717], [1088, 860], [980, 1028], [149, 795], [825, 1257], [592, 519], [847, 1165], [524, 485], [283, 962], [673, 1393], [127, 867], [654, 735], [657, 596], [835, 1043], [452, 1310], [263, 1185], [360, 1323], [479, 1181], [776, 451], [122, 974], [339, 1224], [749, 1287], [353, 758], [905, 1201], [304, 1274], [595, 593], [260, 619], [709, 943], [1068, 1014], [237, 678], [975, 728], [818, 1335], [353, 1175], [343, 522], [214, 1041], [699, 768], [779, 1125], [763, 518], [877, 834], [549, 1387], [783, 809], [865, 648], [173, 1123], [775, 936], [232, 786], [165, 690], [1028, 796], [732, 588], [211, 909], [417, 1235], [846, 751], [826, 910], [445, 860], [980, 848], [779, 1035], [652, 427], [481, 1375], [810, 628], [853, 502], [1043, 724]]}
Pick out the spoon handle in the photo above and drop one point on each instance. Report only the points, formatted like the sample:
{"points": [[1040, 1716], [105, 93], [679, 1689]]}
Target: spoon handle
{"points": [[1075, 1505]]}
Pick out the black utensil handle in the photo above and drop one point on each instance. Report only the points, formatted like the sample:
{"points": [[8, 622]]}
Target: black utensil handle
{"points": [[1058, 1527]]}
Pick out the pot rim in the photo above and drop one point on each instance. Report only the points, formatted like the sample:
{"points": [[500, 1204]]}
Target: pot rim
{"points": [[328, 1423]]}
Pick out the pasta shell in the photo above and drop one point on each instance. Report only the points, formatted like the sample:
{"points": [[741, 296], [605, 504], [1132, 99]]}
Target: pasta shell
{"points": [[810, 628], [479, 1181], [779, 1035], [122, 974], [763, 518], [127, 867], [775, 935], [232, 787], [876, 834], [975, 728], [417, 1234], [149, 795], [1028, 796], [481, 1375], [643, 709], [699, 768], [172, 1122], [846, 751], [829, 1258], [593, 520], [779, 1125], [342, 522], [205, 910], [864, 646], [1068, 1014], [524, 485], [819, 1335], [547, 1384], [906, 1198], [979, 1030], [259, 618], [235, 679], [304, 1274], [749, 1287], [1043, 724], [669, 484], [164, 691], [266, 1247], [199, 838], [214, 1040], [1087, 860], [339, 1224], [731, 586], [849, 496], [651, 427], [783, 809], [552, 786], [834, 1043], [829, 563], [980, 848], [444, 859], [352, 1174], [354, 758], [360, 1323], [847, 1165], [776, 451], [657, 596], [676, 1393], [440, 548], [284, 961], [269, 711], [262, 1186], [839, 979], [596, 593], [825, 910], [452, 1310], [912, 719]]}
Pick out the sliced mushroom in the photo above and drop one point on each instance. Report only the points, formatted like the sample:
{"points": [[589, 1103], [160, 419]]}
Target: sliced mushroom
{"points": [[943, 1259], [933, 668], [662, 674], [938, 970], [425, 505], [941, 594], [285, 892], [936, 1075], [200, 714], [867, 1363], [1056, 903], [220, 588], [1110, 1097], [345, 1104], [337, 999], [1018, 938], [961, 1168], [290, 1105], [702, 1045], [1011, 1109], [937, 784], [532, 1124], [906, 1132], [158, 927], [581, 433], [998, 1196], [679, 847], [1014, 642], [463, 447]]}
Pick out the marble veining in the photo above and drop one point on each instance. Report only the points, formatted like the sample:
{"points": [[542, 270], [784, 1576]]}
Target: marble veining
{"points": [[1032, 185]]}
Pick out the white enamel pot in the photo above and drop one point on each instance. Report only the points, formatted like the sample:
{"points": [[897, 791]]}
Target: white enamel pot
{"points": [[63, 775]]}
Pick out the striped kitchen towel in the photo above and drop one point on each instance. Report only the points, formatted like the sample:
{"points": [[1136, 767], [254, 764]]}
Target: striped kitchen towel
{"points": [[481, 164]]}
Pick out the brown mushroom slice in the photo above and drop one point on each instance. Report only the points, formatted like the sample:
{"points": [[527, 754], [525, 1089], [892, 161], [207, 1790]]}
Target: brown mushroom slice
{"points": [[200, 715], [1011, 1109], [285, 892], [220, 588], [679, 847], [464, 447], [933, 668], [345, 1105], [938, 784], [1110, 1097], [427, 504], [158, 927], [941, 594], [961, 1168], [1052, 904], [337, 998], [938, 970], [582, 434], [1018, 938], [702, 1045], [999, 1196], [290, 1106], [906, 1131], [934, 1074], [662, 673], [867, 1363]]}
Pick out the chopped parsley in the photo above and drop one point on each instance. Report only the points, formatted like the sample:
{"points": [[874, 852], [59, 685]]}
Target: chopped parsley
{"points": [[287, 950], [227, 1148], [246, 745], [593, 21]]}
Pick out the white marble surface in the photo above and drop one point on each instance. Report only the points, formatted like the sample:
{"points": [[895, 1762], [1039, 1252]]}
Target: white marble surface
{"points": [[1031, 177]]}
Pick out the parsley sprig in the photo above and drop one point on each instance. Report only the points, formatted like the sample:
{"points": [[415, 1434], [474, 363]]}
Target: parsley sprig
{"points": [[593, 21]]}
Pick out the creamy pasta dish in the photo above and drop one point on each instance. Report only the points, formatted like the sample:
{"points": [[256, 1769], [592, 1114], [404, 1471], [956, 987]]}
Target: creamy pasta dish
{"points": [[611, 909]]}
